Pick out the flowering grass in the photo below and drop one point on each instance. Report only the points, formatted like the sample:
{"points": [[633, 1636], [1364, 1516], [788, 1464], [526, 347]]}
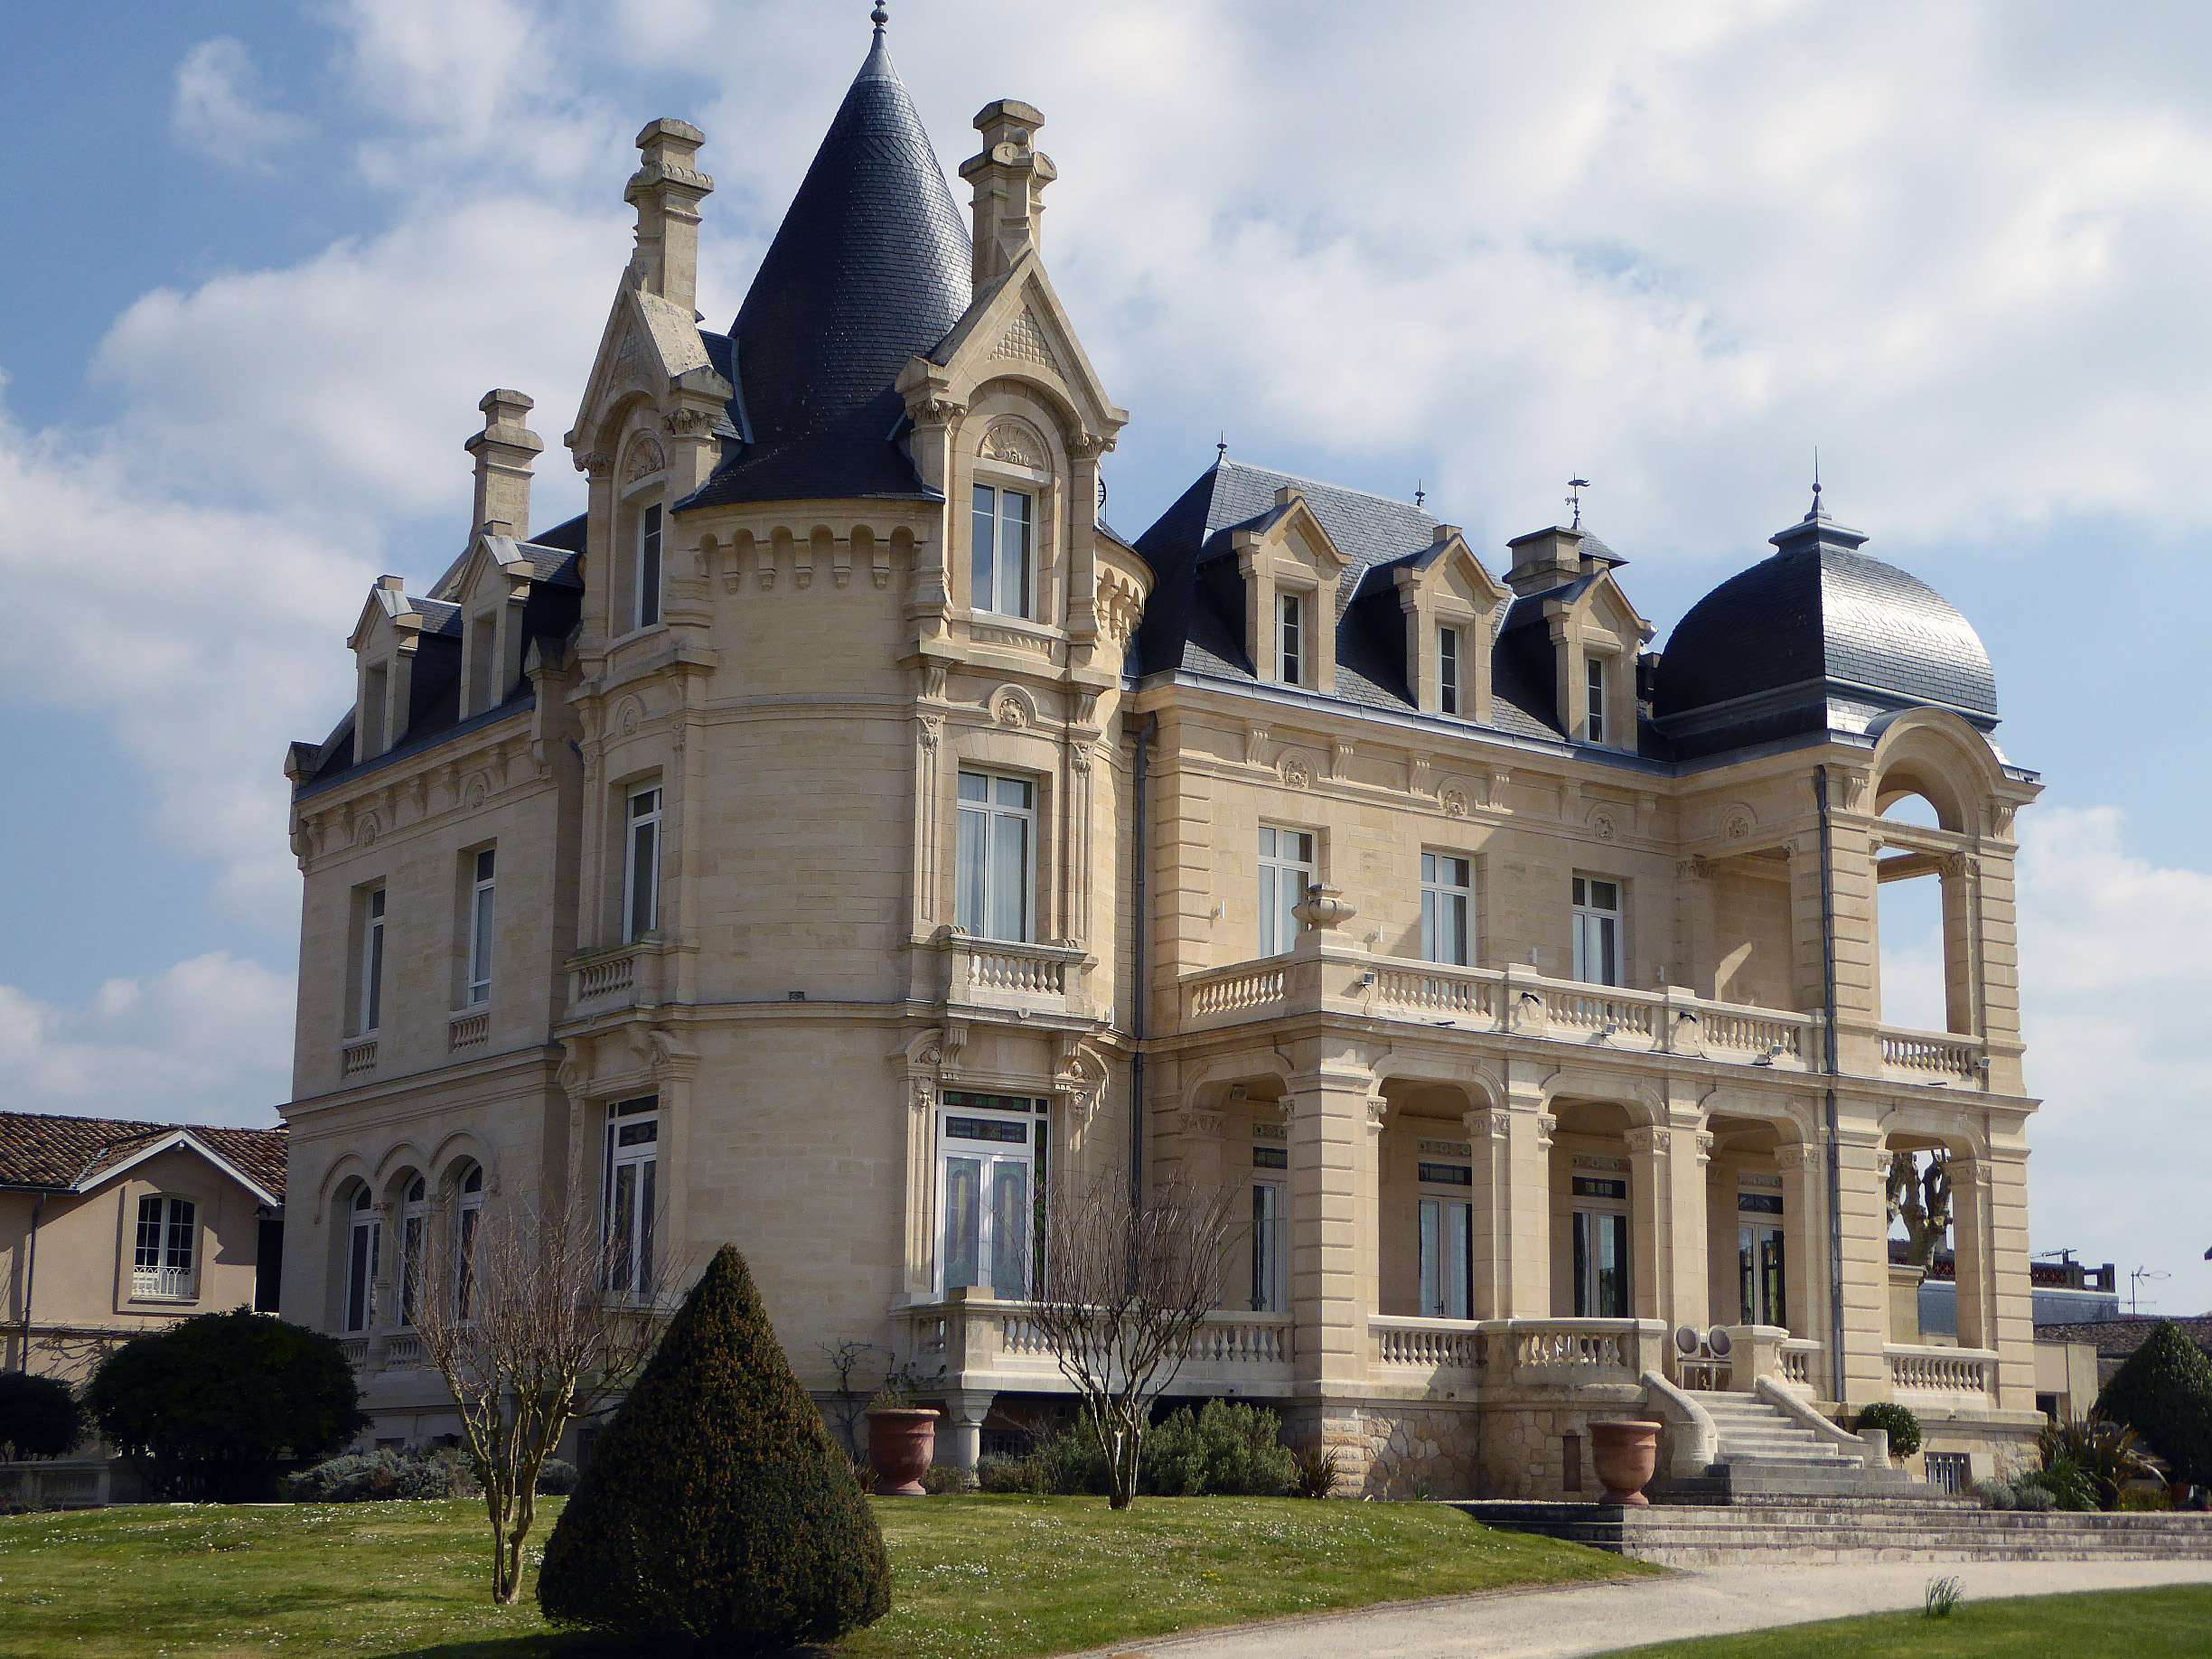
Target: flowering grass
{"points": [[973, 1577], [2174, 1622]]}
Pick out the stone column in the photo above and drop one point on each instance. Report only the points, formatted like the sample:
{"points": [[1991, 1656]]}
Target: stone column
{"points": [[1803, 1166], [2010, 1328], [1331, 1198], [1866, 1260], [964, 1415], [1521, 1200]]}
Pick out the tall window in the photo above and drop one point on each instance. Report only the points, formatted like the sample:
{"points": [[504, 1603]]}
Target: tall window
{"points": [[368, 1016], [364, 1244], [1594, 720], [1447, 905], [414, 1248], [1759, 1258], [1269, 1234], [166, 1256], [465, 1224], [996, 817], [1285, 871], [998, 561], [641, 865], [1600, 1249], [1448, 670], [480, 930], [1290, 637], [1446, 1241], [1597, 931], [648, 567], [990, 1156], [633, 1158]]}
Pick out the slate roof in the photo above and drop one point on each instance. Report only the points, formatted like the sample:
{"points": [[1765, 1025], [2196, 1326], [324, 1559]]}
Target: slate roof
{"points": [[59, 1153], [872, 266], [1195, 620], [1817, 637]]}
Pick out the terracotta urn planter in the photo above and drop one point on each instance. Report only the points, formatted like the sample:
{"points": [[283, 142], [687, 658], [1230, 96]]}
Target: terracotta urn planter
{"points": [[1625, 1453], [902, 1444]]}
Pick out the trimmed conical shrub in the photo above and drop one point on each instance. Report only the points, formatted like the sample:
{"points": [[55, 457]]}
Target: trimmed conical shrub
{"points": [[717, 1512], [2164, 1392]]}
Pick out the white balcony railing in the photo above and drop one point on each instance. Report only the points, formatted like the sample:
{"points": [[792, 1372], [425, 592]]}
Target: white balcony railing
{"points": [[1933, 1055], [602, 982], [1427, 1344], [1013, 973], [980, 1338], [357, 1057], [1940, 1371], [165, 1284], [1249, 987]]}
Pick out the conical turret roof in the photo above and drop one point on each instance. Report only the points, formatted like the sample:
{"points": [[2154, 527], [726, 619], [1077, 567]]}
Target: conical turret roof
{"points": [[870, 267]]}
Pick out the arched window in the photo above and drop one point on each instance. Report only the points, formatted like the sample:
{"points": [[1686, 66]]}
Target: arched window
{"points": [[467, 1221], [1914, 964], [414, 1243], [364, 1244]]}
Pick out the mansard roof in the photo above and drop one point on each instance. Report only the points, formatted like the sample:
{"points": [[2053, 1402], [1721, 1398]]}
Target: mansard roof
{"points": [[872, 266]]}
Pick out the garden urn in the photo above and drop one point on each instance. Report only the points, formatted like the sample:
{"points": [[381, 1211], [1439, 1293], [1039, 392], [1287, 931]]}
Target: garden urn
{"points": [[1625, 1453], [902, 1444]]}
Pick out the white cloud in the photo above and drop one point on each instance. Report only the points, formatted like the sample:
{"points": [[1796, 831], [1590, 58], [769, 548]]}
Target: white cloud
{"points": [[2115, 982], [215, 110], [207, 1041]]}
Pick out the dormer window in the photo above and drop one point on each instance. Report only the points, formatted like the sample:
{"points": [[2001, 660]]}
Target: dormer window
{"points": [[1448, 670], [1594, 720], [648, 567], [999, 562], [1290, 633]]}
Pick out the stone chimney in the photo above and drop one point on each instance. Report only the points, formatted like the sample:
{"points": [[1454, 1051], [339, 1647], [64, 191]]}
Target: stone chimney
{"points": [[1544, 560], [505, 451], [1010, 179], [666, 191]]}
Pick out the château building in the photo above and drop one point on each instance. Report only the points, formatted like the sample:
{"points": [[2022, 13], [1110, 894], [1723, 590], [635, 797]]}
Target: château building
{"points": [[838, 834]]}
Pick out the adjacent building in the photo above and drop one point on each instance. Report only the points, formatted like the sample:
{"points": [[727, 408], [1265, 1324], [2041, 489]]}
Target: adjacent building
{"points": [[840, 835]]}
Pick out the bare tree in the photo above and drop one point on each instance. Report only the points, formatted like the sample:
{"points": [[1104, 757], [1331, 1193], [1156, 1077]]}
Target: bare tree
{"points": [[1127, 1285], [1920, 1196], [534, 1313]]}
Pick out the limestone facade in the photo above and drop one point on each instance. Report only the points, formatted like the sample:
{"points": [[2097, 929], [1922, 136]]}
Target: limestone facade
{"points": [[763, 835]]}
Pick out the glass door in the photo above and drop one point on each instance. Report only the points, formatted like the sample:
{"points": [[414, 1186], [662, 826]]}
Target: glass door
{"points": [[1758, 1252], [1446, 1242], [1600, 1249], [988, 1194]]}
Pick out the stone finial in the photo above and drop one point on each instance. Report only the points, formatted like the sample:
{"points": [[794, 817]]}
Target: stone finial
{"points": [[666, 190], [1325, 909], [505, 451], [1010, 179]]}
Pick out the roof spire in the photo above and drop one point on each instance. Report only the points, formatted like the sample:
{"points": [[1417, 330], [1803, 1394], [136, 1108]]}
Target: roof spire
{"points": [[1420, 495], [1221, 450], [879, 17], [1815, 512]]}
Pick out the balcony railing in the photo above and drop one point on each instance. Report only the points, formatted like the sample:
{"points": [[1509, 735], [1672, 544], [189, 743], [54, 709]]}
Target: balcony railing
{"points": [[602, 982], [165, 1284], [1933, 1055], [1516, 1353], [357, 1058], [1940, 1371], [991, 1343], [467, 1030], [1013, 973]]}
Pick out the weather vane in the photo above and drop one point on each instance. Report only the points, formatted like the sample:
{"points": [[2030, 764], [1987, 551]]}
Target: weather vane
{"points": [[1221, 450], [1575, 486], [1421, 496]]}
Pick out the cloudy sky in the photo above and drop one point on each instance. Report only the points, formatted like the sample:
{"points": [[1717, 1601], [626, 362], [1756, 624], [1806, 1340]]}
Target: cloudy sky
{"points": [[262, 261]]}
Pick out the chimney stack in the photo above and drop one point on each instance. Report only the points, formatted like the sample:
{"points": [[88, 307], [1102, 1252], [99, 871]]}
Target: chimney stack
{"points": [[666, 191], [1544, 560], [505, 451], [1010, 179]]}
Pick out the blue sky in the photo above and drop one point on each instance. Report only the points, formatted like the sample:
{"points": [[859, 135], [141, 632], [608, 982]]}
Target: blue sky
{"points": [[262, 260]]}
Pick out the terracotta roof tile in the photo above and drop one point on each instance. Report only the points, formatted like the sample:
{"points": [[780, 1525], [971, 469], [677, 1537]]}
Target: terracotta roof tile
{"points": [[52, 1150]]}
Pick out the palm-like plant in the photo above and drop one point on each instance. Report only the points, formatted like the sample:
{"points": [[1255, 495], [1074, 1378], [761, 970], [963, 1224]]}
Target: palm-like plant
{"points": [[2110, 1454]]}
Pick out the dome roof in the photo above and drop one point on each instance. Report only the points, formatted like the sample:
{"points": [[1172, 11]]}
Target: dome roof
{"points": [[1818, 637]]}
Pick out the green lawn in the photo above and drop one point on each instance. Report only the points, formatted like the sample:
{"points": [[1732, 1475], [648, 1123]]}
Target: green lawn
{"points": [[975, 1578], [2174, 1623]]}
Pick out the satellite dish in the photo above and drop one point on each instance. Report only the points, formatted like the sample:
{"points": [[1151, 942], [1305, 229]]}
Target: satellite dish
{"points": [[1717, 1339], [1685, 1340]]}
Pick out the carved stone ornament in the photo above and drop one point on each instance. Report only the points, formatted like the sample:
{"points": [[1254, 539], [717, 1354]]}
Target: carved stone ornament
{"points": [[1601, 826], [645, 459], [1295, 771], [1010, 706], [366, 829], [1013, 442], [684, 423], [1485, 1125], [1324, 908], [1454, 803], [1378, 1108], [1645, 1139], [1255, 742]]}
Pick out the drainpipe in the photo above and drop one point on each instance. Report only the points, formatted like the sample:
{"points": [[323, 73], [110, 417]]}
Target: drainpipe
{"points": [[23, 1359], [1828, 1065], [1143, 989]]}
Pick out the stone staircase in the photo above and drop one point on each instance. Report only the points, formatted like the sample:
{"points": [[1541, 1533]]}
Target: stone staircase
{"points": [[1912, 1525], [1764, 1452]]}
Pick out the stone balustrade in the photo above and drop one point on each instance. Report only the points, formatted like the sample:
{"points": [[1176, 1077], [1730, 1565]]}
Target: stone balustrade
{"points": [[974, 1341], [1933, 1057], [1001, 973], [1426, 1345], [358, 1058], [1940, 1371], [602, 982], [467, 1030]]}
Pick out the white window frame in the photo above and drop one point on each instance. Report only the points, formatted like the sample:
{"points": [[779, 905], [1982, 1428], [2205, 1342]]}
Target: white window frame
{"points": [[1594, 699], [992, 566], [1288, 870], [631, 1196], [468, 1220], [1290, 642], [984, 890], [1448, 670], [414, 1248], [1448, 908], [484, 870], [645, 591], [165, 1265], [1588, 1209], [369, 1013], [1446, 1218], [644, 816], [1597, 930], [363, 1262], [1008, 1265], [1270, 1233]]}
